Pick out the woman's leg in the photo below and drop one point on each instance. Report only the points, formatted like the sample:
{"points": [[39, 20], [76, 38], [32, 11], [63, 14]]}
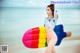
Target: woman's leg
{"points": [[53, 50], [51, 39], [68, 34], [50, 48], [60, 28]]}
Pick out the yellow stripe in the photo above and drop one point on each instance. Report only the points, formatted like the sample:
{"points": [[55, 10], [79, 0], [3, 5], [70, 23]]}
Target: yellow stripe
{"points": [[42, 33], [41, 43], [42, 29], [42, 37]]}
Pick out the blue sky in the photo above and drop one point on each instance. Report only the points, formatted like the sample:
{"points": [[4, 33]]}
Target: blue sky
{"points": [[35, 3]]}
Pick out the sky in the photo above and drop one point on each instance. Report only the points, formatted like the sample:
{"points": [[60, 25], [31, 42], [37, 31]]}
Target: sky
{"points": [[36, 3]]}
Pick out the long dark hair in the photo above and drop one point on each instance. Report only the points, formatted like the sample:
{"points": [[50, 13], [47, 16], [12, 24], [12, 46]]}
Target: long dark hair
{"points": [[51, 6]]}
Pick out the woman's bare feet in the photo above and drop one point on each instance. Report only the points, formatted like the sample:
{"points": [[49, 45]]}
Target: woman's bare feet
{"points": [[68, 34]]}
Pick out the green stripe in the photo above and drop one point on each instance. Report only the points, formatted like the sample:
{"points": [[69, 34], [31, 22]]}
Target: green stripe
{"points": [[46, 43]]}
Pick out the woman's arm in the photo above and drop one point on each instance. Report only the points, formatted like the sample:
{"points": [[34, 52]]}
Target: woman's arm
{"points": [[56, 16]]}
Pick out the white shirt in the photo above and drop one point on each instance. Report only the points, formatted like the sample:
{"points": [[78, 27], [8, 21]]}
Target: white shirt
{"points": [[50, 23]]}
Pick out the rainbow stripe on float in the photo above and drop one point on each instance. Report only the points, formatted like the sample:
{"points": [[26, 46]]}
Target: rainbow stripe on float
{"points": [[35, 38]]}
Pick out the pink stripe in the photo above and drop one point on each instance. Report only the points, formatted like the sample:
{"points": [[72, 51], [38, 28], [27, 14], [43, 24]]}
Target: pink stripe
{"points": [[28, 44], [27, 35]]}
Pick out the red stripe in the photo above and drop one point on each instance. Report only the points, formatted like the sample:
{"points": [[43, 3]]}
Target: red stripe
{"points": [[35, 33], [35, 36], [35, 43], [35, 30]]}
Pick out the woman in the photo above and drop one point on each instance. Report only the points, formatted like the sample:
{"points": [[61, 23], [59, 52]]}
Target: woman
{"points": [[50, 24]]}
